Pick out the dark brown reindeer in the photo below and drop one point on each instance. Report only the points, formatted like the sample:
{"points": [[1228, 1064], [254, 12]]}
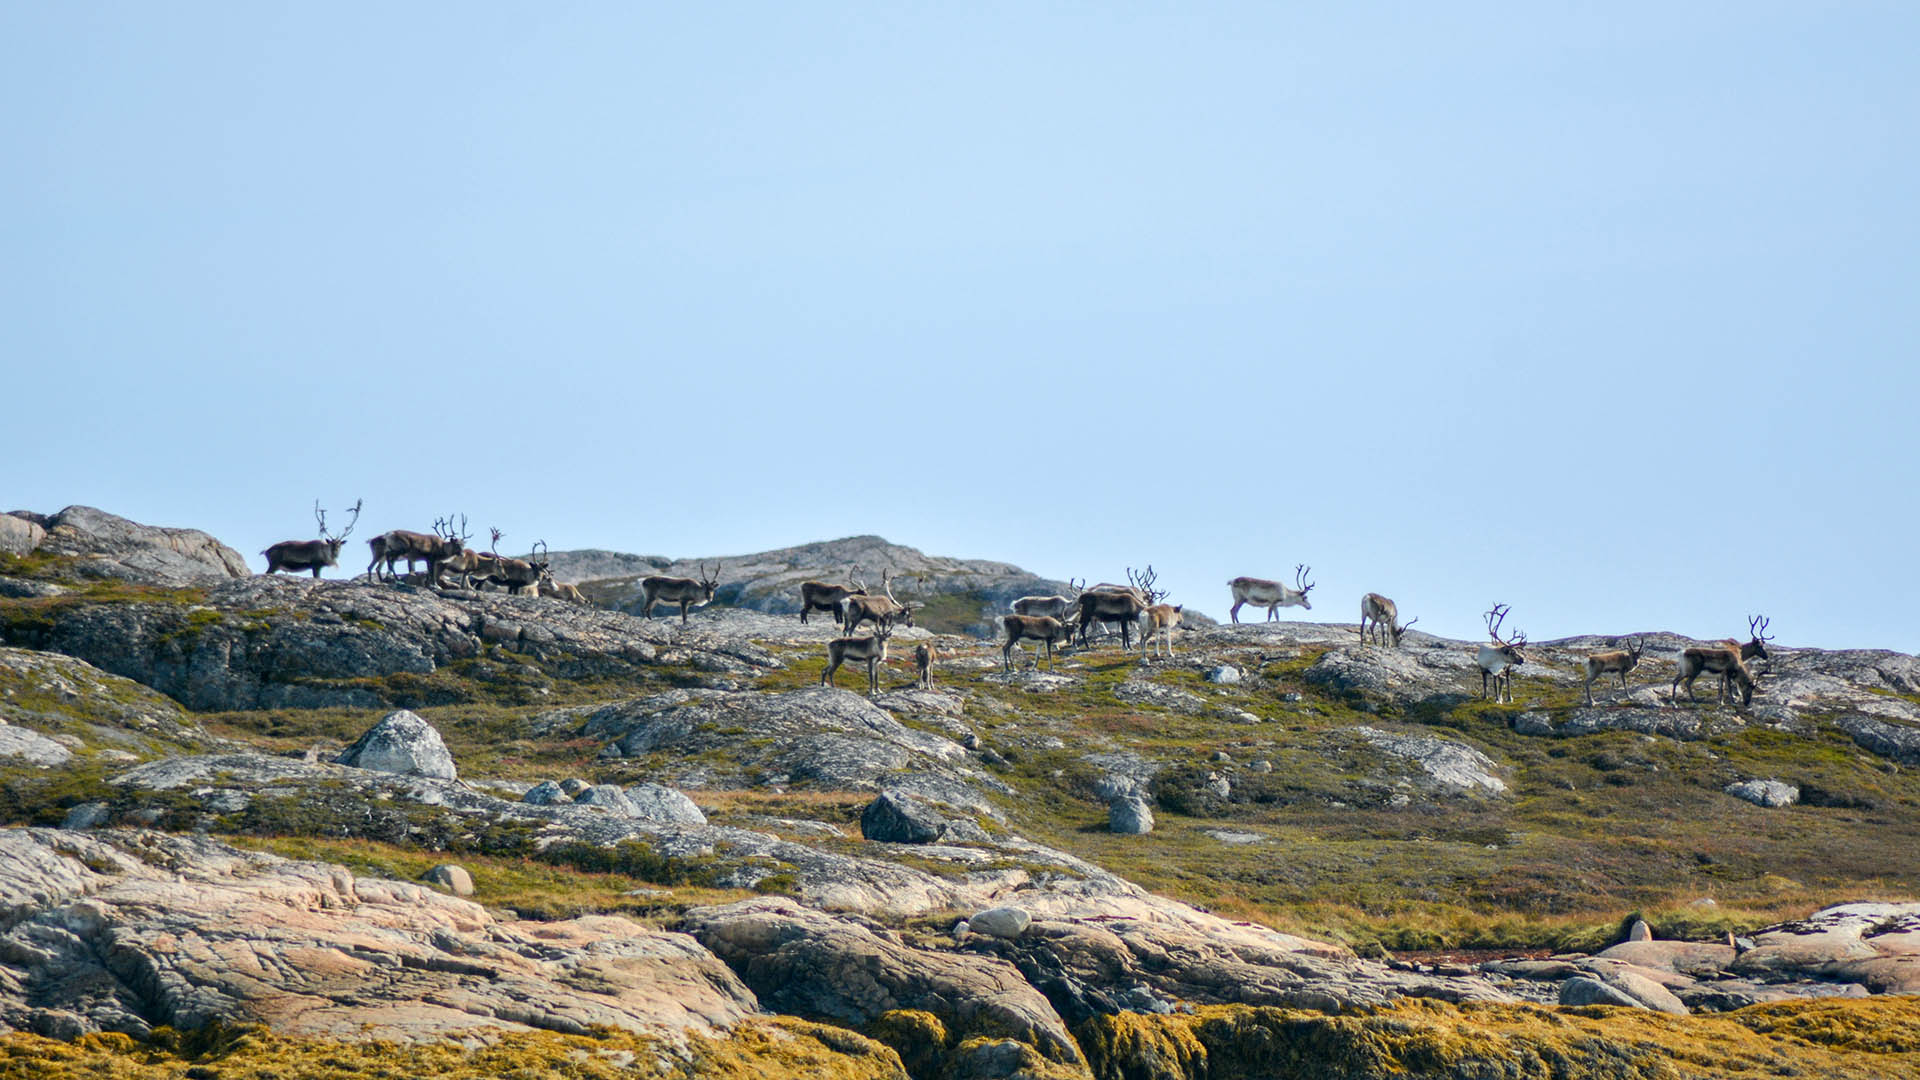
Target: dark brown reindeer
{"points": [[1498, 660], [1384, 617], [872, 649], [687, 592], [296, 555], [1122, 604], [1614, 662], [883, 611], [1755, 647], [1043, 628], [521, 577], [434, 549], [820, 596], [1271, 595]]}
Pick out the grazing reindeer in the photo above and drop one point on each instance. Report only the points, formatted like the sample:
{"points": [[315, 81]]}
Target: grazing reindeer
{"points": [[884, 610], [296, 555], [1161, 619], [1271, 594], [1123, 604], [1498, 660], [1044, 628], [871, 649], [687, 592], [1057, 606], [1619, 661], [1384, 616], [820, 596], [923, 665], [1720, 658], [435, 549]]}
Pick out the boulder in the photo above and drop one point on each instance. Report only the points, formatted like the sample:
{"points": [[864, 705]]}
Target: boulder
{"points": [[1130, 815], [1639, 931], [898, 818], [1006, 922], [1767, 793], [401, 743], [608, 797], [1225, 675], [104, 545], [1583, 990], [664, 804], [453, 879], [546, 793], [18, 535]]}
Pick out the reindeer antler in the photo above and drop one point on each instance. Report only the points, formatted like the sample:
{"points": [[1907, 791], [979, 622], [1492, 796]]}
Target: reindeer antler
{"points": [[1757, 626], [1300, 572], [495, 546], [1496, 616], [1144, 582]]}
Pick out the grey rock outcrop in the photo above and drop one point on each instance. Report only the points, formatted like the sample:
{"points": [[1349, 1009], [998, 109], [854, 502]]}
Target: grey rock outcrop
{"points": [[103, 545], [804, 961], [401, 743], [1586, 990], [655, 802], [58, 695], [19, 535], [1447, 765], [31, 747], [546, 793], [122, 931], [1767, 793]]}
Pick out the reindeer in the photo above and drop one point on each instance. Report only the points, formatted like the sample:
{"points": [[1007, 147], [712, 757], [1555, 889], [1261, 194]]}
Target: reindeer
{"points": [[1498, 660], [1384, 616], [1043, 628], [687, 592], [1123, 604], [522, 577], [1619, 661], [1060, 607], [820, 596], [562, 590], [1755, 647], [872, 649], [1161, 619], [883, 610], [475, 567], [1271, 594], [1720, 658], [296, 555], [435, 549], [923, 665]]}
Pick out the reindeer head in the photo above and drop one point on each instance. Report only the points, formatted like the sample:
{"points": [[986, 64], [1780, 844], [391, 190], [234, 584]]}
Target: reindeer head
{"points": [[333, 542], [1757, 642], [1303, 586], [456, 541], [1400, 631], [708, 584], [1508, 648]]}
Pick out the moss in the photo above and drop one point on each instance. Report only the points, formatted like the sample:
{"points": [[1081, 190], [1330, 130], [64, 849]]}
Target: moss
{"points": [[1864, 1039], [758, 1050]]}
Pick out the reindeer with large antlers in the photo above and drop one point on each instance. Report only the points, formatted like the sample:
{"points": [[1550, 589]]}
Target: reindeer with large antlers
{"points": [[1498, 660], [1271, 595], [1755, 647], [1614, 661], [435, 549], [1721, 658], [522, 577], [883, 610], [820, 596], [687, 592], [296, 555], [1122, 604], [1384, 617]]}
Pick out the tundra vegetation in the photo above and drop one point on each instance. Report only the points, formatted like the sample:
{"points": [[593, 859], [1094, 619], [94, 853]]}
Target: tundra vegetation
{"points": [[1331, 839]]}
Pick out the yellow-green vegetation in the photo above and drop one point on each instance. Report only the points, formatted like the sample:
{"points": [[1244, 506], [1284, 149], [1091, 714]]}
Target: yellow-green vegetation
{"points": [[1877, 1039], [528, 888], [764, 1050]]}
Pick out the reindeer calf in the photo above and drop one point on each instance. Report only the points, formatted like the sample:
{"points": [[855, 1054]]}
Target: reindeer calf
{"points": [[1161, 619], [923, 665], [1617, 661]]}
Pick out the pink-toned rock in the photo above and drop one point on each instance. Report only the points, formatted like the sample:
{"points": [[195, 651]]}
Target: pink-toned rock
{"points": [[1694, 959]]}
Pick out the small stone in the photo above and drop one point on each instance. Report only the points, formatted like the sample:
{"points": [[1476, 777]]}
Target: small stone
{"points": [[87, 816], [1221, 756], [1130, 815], [1262, 766], [1640, 931], [655, 802], [607, 797], [574, 786], [1002, 922], [1771, 794], [546, 793], [1225, 675], [453, 879], [1219, 786]]}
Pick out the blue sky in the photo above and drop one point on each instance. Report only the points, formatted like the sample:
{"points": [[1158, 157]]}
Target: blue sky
{"points": [[1600, 310]]}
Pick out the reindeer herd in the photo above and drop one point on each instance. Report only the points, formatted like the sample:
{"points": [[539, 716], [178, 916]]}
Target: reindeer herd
{"points": [[1050, 621]]}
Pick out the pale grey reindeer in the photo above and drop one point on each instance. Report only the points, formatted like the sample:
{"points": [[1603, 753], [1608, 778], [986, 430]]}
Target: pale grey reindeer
{"points": [[296, 555], [871, 648], [1384, 617], [1271, 595]]}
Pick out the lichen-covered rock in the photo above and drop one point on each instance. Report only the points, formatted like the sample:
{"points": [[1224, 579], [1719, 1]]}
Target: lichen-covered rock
{"points": [[546, 793], [122, 931], [105, 545], [59, 695], [1450, 766], [1130, 815], [898, 818], [401, 743], [1586, 990], [31, 747], [655, 802]]}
